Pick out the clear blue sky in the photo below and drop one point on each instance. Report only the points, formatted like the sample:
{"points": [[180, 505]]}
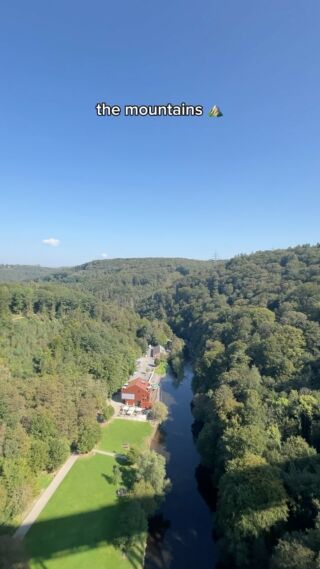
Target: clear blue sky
{"points": [[169, 186]]}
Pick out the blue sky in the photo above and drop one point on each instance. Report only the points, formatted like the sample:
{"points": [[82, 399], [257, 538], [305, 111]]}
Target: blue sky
{"points": [[169, 186]]}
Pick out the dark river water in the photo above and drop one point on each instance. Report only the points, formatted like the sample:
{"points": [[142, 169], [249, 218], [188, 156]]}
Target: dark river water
{"points": [[180, 535]]}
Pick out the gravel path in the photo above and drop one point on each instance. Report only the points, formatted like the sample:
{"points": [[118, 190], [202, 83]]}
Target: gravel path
{"points": [[44, 498]]}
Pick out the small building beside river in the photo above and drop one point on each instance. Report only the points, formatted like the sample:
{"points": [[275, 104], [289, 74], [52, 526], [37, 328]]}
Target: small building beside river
{"points": [[139, 393], [157, 352]]}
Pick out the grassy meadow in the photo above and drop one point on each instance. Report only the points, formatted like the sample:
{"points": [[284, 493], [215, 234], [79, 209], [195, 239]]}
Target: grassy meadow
{"points": [[78, 527], [122, 432]]}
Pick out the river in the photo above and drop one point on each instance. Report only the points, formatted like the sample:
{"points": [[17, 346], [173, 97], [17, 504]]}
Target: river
{"points": [[180, 535]]}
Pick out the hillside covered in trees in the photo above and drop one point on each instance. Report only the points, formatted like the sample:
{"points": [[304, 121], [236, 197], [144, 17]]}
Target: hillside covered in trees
{"points": [[20, 273], [128, 281], [251, 328]]}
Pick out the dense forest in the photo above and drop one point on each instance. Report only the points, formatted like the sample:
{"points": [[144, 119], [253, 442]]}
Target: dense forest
{"points": [[19, 273], [251, 328], [128, 281]]}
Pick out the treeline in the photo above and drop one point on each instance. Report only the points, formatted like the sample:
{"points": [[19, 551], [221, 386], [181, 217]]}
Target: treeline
{"points": [[252, 329]]}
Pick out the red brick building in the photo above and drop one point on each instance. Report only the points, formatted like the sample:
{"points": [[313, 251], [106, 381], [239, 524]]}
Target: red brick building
{"points": [[138, 393]]}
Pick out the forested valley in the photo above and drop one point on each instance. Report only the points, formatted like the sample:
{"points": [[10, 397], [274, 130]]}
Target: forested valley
{"points": [[250, 327], [252, 331]]}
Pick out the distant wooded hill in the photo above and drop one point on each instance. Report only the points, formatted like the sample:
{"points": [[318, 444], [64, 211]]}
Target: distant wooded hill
{"points": [[122, 280], [20, 273]]}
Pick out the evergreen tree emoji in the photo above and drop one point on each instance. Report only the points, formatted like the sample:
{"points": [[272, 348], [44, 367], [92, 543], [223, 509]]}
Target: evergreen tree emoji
{"points": [[215, 112]]}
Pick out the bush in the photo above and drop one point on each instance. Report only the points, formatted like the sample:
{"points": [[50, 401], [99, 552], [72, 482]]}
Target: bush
{"points": [[133, 455], [106, 413], [38, 455], [162, 367], [58, 452], [89, 434], [159, 412]]}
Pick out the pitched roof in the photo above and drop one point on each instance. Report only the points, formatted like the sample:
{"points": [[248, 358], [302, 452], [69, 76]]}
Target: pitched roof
{"points": [[141, 383]]}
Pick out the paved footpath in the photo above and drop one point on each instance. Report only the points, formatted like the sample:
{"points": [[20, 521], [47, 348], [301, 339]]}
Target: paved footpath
{"points": [[105, 452], [44, 498], [113, 454]]}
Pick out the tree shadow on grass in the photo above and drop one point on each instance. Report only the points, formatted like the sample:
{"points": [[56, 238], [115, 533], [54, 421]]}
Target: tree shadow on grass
{"points": [[60, 537], [108, 478], [128, 478]]}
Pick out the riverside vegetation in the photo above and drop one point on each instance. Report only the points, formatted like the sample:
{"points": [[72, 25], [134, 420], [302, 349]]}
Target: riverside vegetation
{"points": [[251, 328]]}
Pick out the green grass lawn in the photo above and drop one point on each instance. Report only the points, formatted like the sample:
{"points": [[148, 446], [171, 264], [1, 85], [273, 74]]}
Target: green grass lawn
{"points": [[121, 431], [77, 528]]}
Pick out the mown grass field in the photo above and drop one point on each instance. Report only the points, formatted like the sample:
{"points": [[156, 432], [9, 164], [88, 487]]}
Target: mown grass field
{"points": [[121, 432], [77, 528]]}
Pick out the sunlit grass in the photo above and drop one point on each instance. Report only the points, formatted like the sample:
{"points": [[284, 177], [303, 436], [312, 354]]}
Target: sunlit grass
{"points": [[120, 433], [77, 528]]}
